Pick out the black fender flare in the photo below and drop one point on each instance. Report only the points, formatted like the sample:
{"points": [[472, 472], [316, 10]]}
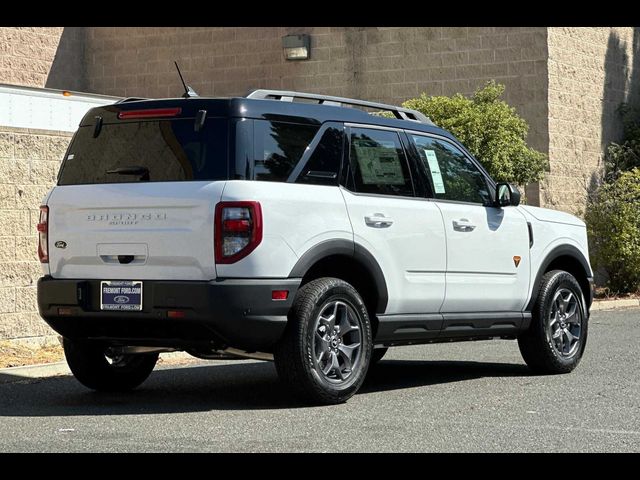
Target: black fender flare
{"points": [[560, 251], [349, 249]]}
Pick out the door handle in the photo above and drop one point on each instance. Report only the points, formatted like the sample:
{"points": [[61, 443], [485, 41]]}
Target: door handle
{"points": [[378, 220], [463, 225]]}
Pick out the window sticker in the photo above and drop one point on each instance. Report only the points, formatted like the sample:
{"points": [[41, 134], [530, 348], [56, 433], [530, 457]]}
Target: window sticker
{"points": [[434, 168], [70, 156], [380, 164]]}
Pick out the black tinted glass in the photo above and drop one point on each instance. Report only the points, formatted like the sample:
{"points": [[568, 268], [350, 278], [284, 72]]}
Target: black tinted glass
{"points": [[324, 164], [278, 147], [379, 164], [154, 151], [453, 175]]}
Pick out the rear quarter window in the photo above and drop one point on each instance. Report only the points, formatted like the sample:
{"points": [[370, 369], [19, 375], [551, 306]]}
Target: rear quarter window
{"points": [[278, 147]]}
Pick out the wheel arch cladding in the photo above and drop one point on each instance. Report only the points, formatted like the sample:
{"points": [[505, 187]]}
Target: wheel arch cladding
{"points": [[350, 262], [571, 260]]}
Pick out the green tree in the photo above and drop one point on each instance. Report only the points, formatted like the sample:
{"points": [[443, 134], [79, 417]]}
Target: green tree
{"points": [[613, 225], [490, 129]]}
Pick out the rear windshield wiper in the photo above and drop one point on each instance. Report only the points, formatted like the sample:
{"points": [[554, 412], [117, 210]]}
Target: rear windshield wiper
{"points": [[132, 170]]}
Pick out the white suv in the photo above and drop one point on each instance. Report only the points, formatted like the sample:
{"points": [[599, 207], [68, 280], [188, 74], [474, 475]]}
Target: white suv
{"points": [[289, 226]]}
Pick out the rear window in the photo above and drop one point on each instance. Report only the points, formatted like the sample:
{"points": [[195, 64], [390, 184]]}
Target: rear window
{"points": [[154, 151]]}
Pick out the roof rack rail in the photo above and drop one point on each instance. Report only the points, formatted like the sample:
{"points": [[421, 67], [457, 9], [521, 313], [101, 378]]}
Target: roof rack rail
{"points": [[131, 99], [289, 96]]}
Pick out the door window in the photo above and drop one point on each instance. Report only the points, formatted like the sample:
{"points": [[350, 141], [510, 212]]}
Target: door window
{"points": [[379, 163], [453, 175]]}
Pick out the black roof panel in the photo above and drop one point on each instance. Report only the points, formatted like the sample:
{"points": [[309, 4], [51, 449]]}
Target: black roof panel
{"points": [[240, 107]]}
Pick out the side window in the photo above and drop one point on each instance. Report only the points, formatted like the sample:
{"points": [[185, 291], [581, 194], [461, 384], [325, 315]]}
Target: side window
{"points": [[378, 163], [323, 166], [453, 175], [278, 146]]}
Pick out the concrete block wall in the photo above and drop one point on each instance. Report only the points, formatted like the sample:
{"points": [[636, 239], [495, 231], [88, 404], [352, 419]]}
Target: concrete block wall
{"points": [[29, 161], [591, 72], [42, 57], [374, 63]]}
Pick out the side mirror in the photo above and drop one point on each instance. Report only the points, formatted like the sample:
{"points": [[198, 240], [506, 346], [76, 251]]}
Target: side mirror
{"points": [[506, 194]]}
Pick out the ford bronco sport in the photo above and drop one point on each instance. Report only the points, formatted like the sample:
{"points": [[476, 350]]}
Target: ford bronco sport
{"points": [[297, 227]]}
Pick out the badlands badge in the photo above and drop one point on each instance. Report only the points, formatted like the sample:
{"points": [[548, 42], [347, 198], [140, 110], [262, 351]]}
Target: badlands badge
{"points": [[516, 260]]}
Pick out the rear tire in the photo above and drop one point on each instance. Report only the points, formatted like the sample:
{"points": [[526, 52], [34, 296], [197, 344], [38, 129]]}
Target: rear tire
{"points": [[325, 351], [556, 339], [94, 367]]}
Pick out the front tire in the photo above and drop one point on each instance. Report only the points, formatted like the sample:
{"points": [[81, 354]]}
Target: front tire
{"points": [[94, 366], [325, 352], [556, 339]]}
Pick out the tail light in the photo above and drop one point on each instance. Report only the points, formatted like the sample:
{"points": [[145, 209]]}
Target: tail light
{"points": [[238, 230], [43, 235]]}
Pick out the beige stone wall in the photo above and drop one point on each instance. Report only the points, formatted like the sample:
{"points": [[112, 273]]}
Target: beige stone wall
{"points": [[591, 71], [27, 53], [380, 64], [42, 56], [29, 161]]}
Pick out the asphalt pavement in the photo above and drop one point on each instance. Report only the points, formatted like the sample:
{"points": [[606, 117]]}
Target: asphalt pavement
{"points": [[460, 397]]}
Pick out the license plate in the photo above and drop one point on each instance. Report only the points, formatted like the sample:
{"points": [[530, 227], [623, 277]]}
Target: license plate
{"points": [[121, 295]]}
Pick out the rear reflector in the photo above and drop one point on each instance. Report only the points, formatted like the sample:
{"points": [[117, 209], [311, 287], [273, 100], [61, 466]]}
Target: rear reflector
{"points": [[149, 113], [176, 314], [65, 311], [237, 226], [279, 294]]}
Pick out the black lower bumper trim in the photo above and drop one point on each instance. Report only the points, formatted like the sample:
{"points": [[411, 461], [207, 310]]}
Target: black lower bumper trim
{"points": [[238, 313]]}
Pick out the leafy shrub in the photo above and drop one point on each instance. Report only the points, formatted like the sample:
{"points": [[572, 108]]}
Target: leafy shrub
{"points": [[613, 225], [490, 129], [626, 155]]}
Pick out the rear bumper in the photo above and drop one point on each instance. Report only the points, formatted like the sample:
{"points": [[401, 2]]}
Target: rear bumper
{"points": [[233, 312]]}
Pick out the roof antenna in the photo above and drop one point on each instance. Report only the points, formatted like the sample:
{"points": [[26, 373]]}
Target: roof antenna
{"points": [[188, 91]]}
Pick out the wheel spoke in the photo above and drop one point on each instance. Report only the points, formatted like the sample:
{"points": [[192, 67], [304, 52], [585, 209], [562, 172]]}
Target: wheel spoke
{"points": [[320, 357], [347, 329], [324, 340], [566, 302], [557, 333], [574, 317], [343, 324], [569, 335], [329, 366], [347, 350], [336, 365], [558, 304], [554, 319], [346, 359], [329, 322]]}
